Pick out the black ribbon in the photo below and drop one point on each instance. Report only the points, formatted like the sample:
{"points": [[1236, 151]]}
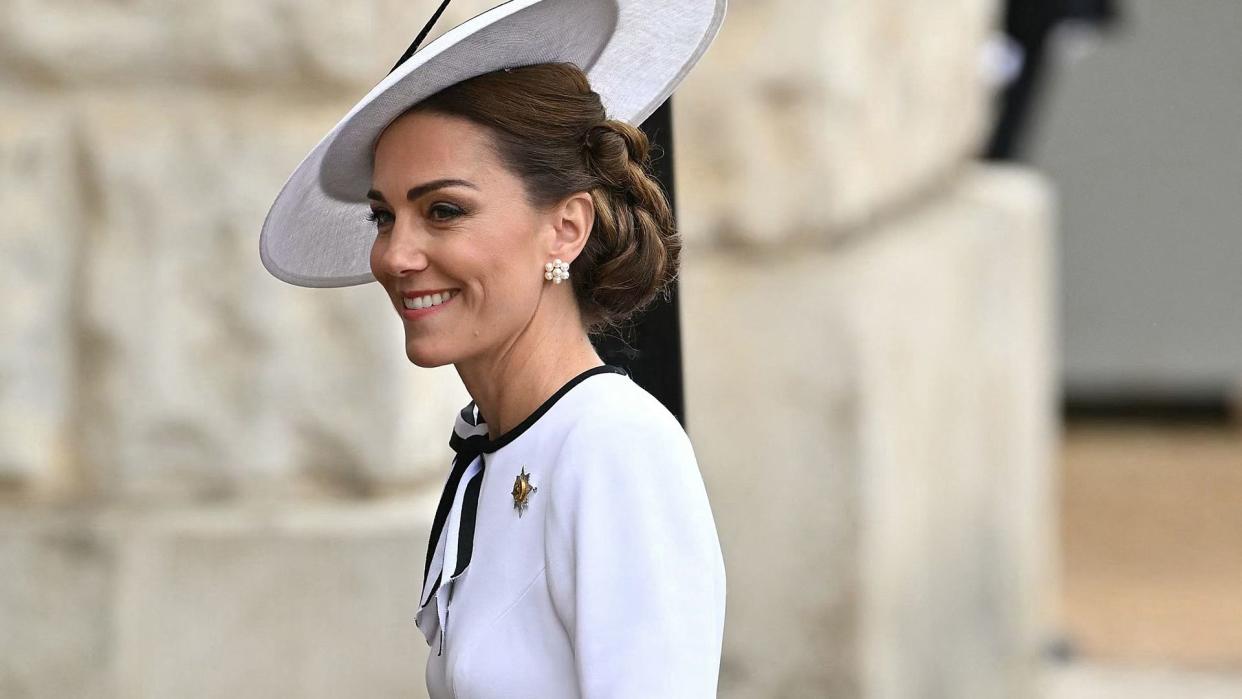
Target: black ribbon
{"points": [[421, 35], [467, 450]]}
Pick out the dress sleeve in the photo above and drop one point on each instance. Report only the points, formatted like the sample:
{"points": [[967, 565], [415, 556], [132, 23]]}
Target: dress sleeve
{"points": [[634, 563]]}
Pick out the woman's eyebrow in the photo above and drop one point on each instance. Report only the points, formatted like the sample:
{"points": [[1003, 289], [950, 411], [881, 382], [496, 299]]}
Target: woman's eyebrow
{"points": [[420, 190]]}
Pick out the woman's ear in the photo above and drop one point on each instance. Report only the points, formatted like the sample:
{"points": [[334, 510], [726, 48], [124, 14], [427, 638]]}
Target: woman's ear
{"points": [[572, 221]]}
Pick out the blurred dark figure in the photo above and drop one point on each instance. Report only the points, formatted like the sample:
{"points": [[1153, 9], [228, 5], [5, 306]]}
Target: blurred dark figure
{"points": [[650, 346], [1031, 25]]}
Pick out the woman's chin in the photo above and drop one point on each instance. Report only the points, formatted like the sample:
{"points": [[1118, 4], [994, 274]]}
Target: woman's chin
{"points": [[427, 358]]}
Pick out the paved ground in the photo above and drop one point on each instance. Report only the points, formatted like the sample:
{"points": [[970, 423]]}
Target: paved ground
{"points": [[1151, 542]]}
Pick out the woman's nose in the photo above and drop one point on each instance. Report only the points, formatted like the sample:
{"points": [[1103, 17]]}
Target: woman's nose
{"points": [[403, 252]]}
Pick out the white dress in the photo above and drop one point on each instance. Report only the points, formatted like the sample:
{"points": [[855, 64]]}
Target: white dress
{"points": [[608, 581]]}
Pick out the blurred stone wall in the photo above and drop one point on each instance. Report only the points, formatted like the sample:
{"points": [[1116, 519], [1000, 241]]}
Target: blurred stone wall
{"points": [[869, 342], [214, 484]]}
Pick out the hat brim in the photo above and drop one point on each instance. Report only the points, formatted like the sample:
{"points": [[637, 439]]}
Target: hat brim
{"points": [[635, 53]]}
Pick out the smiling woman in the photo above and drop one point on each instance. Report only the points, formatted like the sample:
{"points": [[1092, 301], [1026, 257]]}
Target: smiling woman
{"points": [[574, 546]]}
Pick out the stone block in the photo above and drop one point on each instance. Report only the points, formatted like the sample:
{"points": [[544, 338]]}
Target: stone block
{"points": [[876, 424], [314, 604], [56, 624], [313, 601], [39, 272], [206, 377], [316, 46], [811, 119]]}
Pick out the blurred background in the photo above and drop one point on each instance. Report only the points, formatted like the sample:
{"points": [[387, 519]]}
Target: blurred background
{"points": [[962, 353]]}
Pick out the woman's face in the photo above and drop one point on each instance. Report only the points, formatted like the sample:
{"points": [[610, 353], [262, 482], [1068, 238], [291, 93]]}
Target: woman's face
{"points": [[450, 219]]}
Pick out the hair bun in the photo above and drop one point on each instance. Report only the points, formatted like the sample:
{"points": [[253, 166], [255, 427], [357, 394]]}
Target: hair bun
{"points": [[612, 148]]}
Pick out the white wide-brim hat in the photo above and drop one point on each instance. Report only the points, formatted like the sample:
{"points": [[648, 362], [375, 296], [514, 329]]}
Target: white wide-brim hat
{"points": [[635, 53]]}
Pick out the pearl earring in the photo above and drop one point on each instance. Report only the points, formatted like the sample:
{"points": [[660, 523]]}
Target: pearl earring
{"points": [[557, 271]]}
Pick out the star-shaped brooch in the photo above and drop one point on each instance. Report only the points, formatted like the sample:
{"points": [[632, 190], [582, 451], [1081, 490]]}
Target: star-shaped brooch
{"points": [[522, 490]]}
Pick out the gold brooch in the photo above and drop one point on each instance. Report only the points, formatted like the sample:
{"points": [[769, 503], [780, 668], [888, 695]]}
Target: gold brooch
{"points": [[522, 490]]}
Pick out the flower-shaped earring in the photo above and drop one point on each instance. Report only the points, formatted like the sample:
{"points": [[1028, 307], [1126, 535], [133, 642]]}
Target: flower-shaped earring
{"points": [[557, 271]]}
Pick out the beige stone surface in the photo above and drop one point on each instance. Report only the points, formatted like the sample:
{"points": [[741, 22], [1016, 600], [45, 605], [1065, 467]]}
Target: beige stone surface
{"points": [[874, 423], [39, 236], [317, 47], [809, 119], [148, 354], [312, 45], [240, 602], [206, 375], [57, 631]]}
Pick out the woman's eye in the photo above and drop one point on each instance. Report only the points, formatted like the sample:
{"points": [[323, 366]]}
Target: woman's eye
{"points": [[444, 212], [378, 217]]}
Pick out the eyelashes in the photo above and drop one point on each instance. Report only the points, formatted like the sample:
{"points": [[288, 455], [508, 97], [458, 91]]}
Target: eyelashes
{"points": [[453, 211], [446, 212]]}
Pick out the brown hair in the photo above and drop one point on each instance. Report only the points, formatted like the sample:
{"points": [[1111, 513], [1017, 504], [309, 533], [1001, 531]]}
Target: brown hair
{"points": [[550, 129]]}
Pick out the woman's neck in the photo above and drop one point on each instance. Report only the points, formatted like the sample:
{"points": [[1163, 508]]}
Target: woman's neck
{"points": [[514, 381]]}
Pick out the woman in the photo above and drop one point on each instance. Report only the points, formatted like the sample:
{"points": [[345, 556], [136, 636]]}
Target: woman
{"points": [[573, 552]]}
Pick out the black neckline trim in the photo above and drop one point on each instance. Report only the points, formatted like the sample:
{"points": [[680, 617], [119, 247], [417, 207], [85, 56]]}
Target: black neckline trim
{"points": [[513, 433]]}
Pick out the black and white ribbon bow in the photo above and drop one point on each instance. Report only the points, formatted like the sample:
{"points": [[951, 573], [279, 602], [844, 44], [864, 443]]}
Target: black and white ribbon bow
{"points": [[451, 543]]}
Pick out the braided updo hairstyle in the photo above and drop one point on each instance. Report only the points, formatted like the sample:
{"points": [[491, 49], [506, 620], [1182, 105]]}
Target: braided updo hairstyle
{"points": [[550, 129]]}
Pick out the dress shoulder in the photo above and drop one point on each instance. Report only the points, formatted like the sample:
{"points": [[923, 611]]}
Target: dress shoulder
{"points": [[634, 565], [620, 412]]}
